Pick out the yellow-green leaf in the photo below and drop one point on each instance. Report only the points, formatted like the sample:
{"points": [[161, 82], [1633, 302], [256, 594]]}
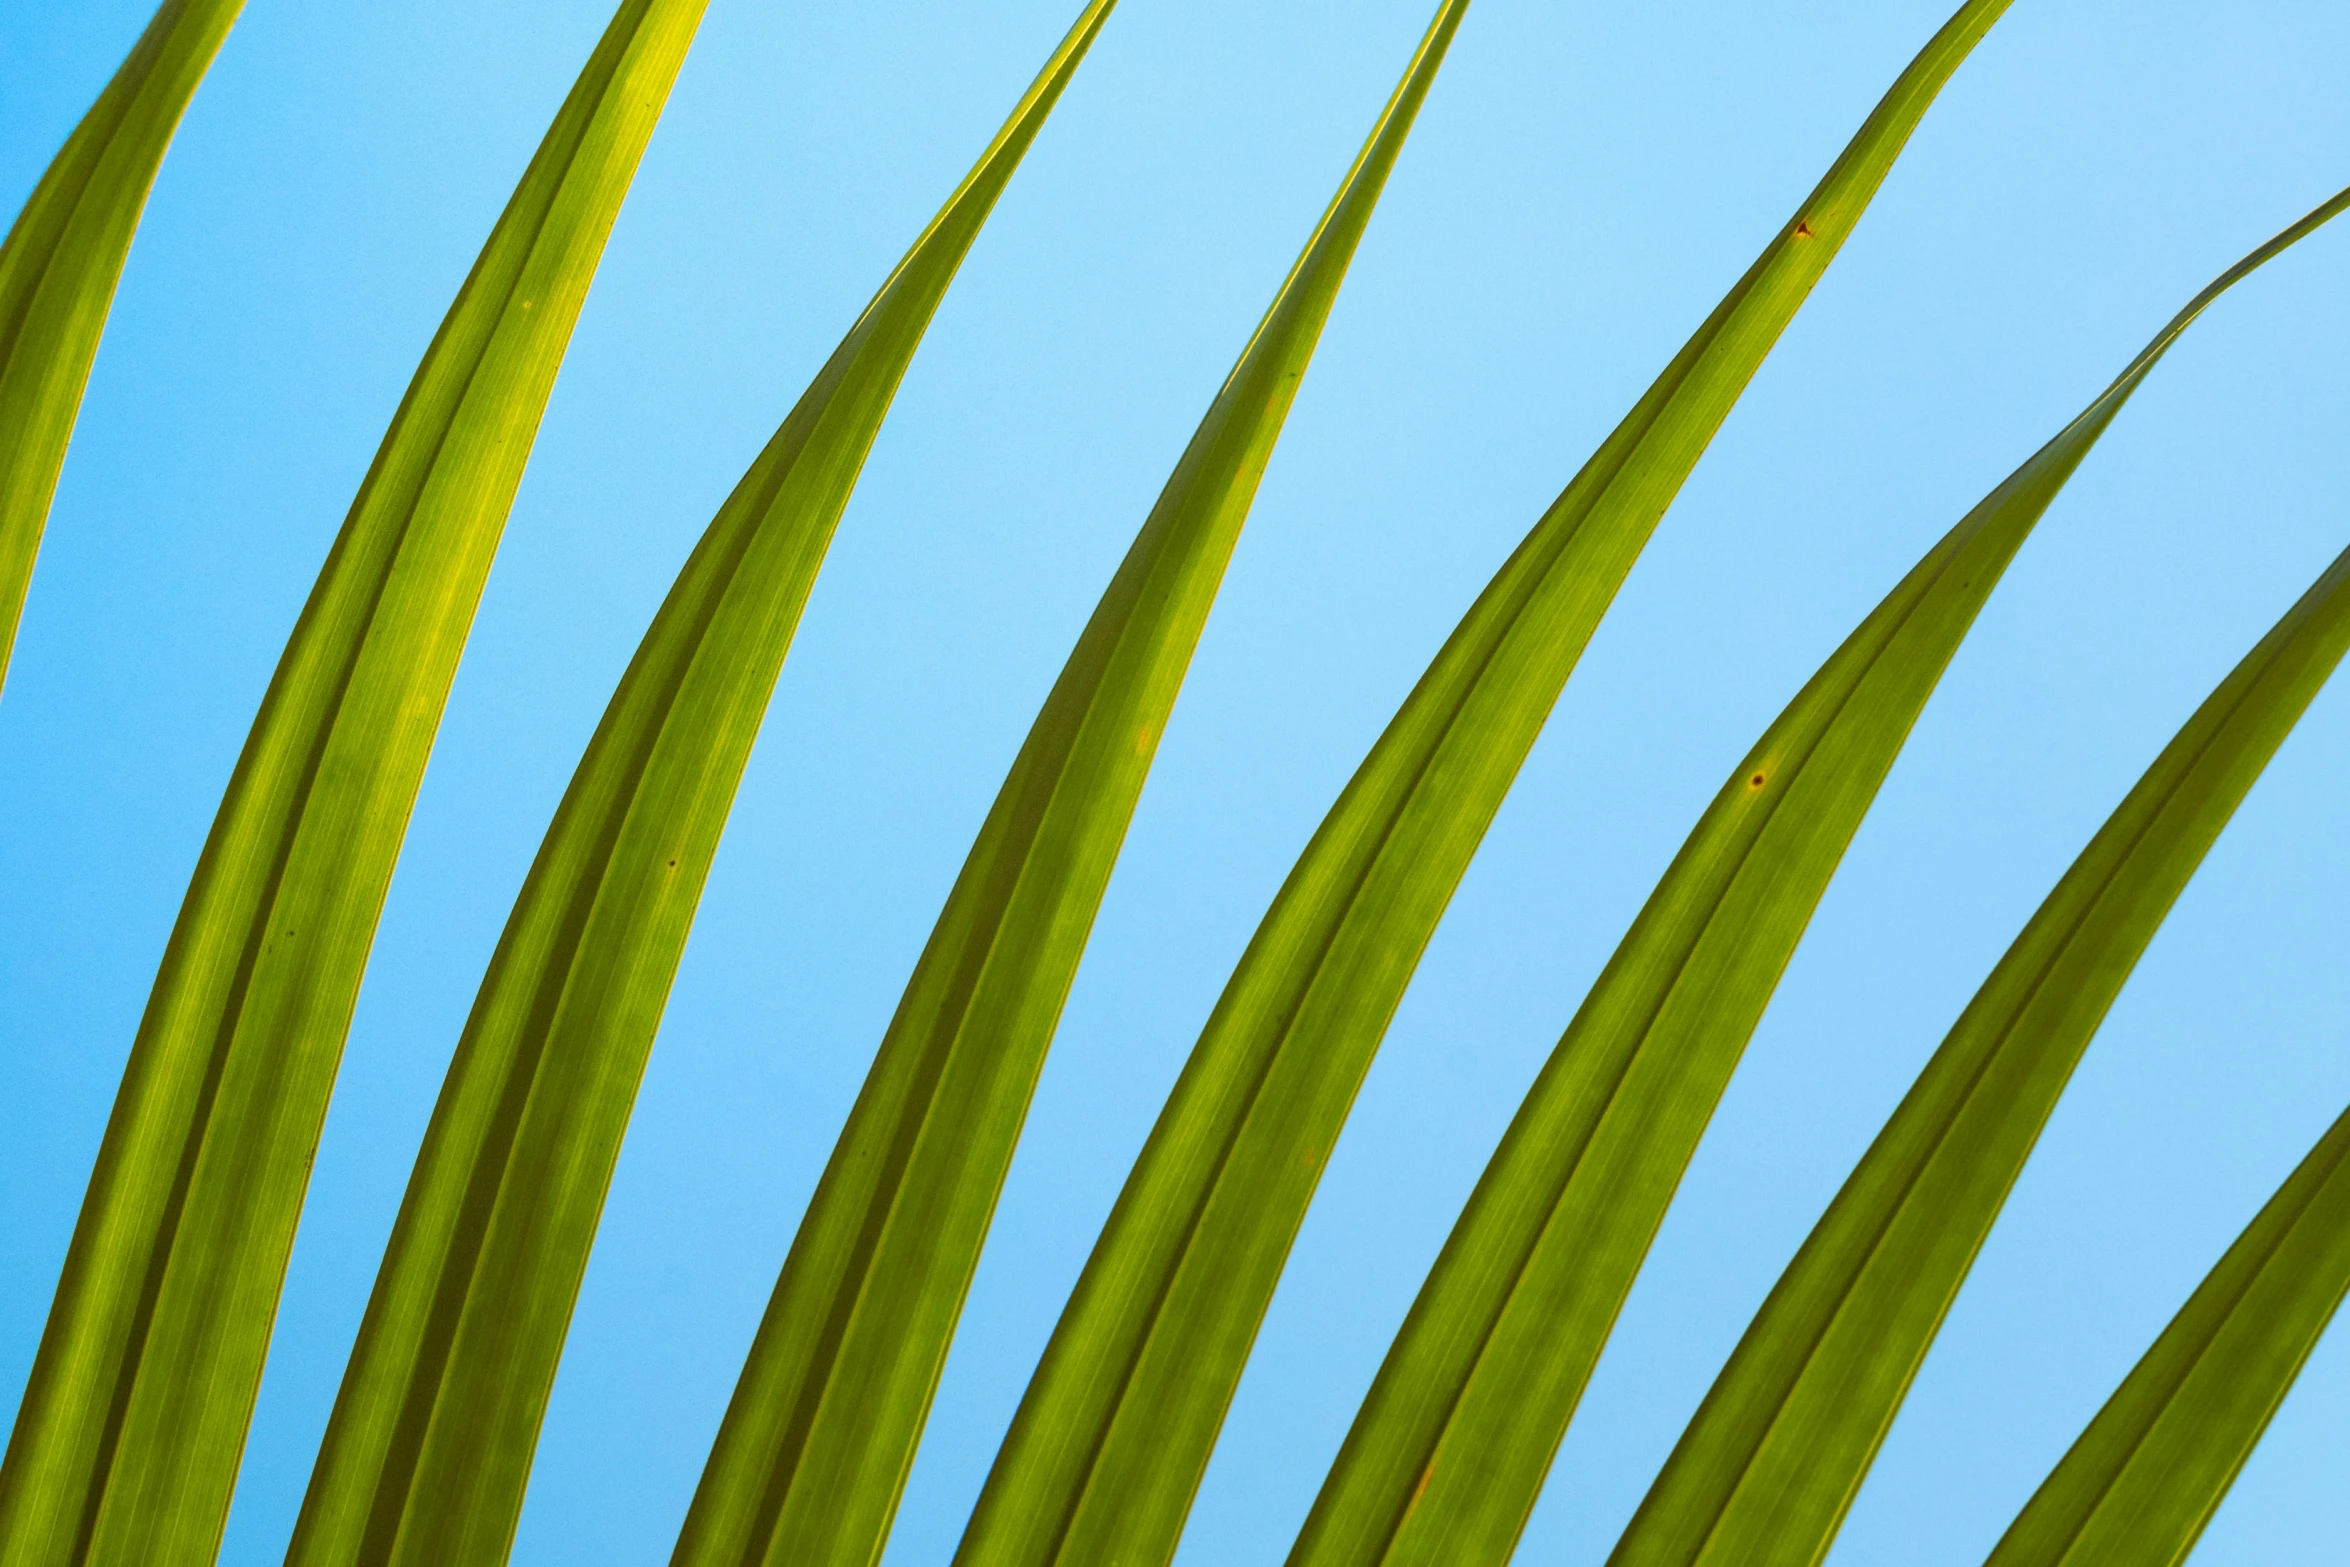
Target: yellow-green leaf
{"points": [[812, 1457], [1767, 1468], [2155, 1464], [63, 256], [1115, 1430], [1448, 1454], [126, 1446], [429, 1449]]}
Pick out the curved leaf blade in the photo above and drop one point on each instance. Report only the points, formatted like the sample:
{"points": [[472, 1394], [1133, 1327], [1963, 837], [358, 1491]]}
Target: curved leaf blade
{"points": [[1448, 1454], [2145, 1478], [822, 1429], [126, 1445], [1118, 1422], [62, 259], [1775, 1454], [429, 1450]]}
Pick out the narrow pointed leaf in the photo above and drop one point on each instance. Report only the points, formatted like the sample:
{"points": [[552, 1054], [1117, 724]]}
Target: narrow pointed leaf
{"points": [[126, 1446], [62, 259], [1115, 1430], [1768, 1467], [2155, 1464], [816, 1444], [1448, 1454], [429, 1448]]}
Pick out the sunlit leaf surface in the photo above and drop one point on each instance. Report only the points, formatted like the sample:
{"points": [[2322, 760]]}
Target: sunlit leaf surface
{"points": [[1767, 1469], [1118, 1422], [1447, 1457], [2155, 1464], [126, 1446], [429, 1451], [59, 266], [822, 1428]]}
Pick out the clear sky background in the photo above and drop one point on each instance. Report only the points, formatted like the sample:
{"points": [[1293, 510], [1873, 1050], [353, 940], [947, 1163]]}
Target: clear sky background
{"points": [[1585, 182]]}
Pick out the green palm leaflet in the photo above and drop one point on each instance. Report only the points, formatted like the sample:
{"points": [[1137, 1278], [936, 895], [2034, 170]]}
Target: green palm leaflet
{"points": [[1448, 1454], [126, 1446], [429, 1449], [2155, 1464], [1115, 1430], [817, 1442], [61, 261], [1767, 1468]]}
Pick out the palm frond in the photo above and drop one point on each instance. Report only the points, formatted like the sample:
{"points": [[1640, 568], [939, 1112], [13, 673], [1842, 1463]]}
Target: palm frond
{"points": [[429, 1450], [823, 1424], [1115, 1430], [2155, 1464], [1448, 1454], [1769, 1465], [127, 1443], [61, 261]]}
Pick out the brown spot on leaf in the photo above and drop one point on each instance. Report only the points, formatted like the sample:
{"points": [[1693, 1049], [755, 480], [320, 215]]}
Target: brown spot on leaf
{"points": [[1756, 782], [1802, 229], [1421, 1489]]}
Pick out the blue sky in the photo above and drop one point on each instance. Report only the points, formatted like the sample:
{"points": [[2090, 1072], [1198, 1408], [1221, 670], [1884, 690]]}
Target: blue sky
{"points": [[1584, 183]]}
